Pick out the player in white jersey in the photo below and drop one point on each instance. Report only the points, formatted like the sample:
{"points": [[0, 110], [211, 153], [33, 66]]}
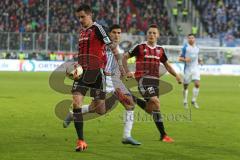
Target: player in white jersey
{"points": [[114, 84], [190, 57]]}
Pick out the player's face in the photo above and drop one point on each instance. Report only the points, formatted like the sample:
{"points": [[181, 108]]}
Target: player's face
{"points": [[115, 35], [84, 18], [152, 35], [191, 40]]}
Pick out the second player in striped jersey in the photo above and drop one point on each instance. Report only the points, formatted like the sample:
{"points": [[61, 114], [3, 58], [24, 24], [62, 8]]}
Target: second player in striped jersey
{"points": [[148, 57]]}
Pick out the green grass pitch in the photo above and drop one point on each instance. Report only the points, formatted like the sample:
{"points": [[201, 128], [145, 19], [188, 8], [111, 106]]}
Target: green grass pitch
{"points": [[29, 129]]}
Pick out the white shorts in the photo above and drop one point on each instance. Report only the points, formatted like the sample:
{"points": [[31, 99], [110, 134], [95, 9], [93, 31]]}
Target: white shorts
{"points": [[191, 76], [113, 82]]}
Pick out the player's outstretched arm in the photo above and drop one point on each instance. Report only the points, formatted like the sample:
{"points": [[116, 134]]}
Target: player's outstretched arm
{"points": [[183, 59], [172, 71], [118, 56], [126, 56], [113, 47]]}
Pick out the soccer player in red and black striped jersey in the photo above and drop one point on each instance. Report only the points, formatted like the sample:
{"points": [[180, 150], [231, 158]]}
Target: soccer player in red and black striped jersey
{"points": [[149, 55], [92, 57]]}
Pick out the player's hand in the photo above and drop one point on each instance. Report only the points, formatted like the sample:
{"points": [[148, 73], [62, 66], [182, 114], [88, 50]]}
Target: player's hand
{"points": [[187, 59], [76, 77], [179, 79], [130, 75]]}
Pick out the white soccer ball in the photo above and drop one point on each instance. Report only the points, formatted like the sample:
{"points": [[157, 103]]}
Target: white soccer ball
{"points": [[74, 71]]}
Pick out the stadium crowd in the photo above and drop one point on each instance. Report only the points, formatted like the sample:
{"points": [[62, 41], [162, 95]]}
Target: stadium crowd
{"points": [[220, 16], [30, 15]]}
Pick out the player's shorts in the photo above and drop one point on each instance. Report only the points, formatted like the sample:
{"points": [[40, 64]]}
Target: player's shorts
{"points": [[113, 82], [148, 87], [93, 80], [191, 76]]}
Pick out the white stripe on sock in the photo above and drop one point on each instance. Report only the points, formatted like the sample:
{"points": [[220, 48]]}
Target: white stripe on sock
{"points": [[85, 108]]}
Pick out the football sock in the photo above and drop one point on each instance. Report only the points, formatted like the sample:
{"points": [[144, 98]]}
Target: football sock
{"points": [[69, 116], [109, 103], [141, 103], [78, 122], [159, 122], [195, 94], [185, 95], [85, 108], [128, 123]]}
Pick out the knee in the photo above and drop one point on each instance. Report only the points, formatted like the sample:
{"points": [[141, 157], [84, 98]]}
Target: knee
{"points": [[100, 108], [92, 108], [128, 104], [129, 107], [153, 105], [197, 85], [156, 103], [100, 111], [185, 86], [76, 102], [149, 110]]}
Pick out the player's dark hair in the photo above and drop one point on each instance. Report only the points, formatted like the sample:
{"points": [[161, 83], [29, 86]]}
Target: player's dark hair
{"points": [[190, 34], [114, 26], [153, 26], [84, 7]]}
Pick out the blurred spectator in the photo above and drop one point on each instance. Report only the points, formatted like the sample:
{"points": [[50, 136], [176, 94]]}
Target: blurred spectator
{"points": [[194, 30], [220, 16], [52, 56], [8, 56], [144, 13], [179, 4], [30, 15], [21, 56], [60, 57], [3, 55], [69, 56], [175, 13], [184, 14], [229, 56], [33, 56], [13, 55]]}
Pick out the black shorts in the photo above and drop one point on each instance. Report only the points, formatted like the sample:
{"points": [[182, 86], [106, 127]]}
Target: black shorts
{"points": [[93, 80], [148, 87]]}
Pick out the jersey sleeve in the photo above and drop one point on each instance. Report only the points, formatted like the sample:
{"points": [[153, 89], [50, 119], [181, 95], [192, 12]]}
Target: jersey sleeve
{"points": [[163, 58], [184, 50], [134, 51], [102, 34], [110, 62]]}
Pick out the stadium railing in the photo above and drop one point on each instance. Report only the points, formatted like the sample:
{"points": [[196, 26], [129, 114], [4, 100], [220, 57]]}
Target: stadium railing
{"points": [[59, 42], [67, 43], [209, 55]]}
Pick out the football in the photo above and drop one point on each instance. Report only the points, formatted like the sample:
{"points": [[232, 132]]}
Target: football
{"points": [[74, 71]]}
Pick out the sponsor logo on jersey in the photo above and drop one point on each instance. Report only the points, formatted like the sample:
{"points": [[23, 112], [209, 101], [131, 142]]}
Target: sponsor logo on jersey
{"points": [[152, 57]]}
